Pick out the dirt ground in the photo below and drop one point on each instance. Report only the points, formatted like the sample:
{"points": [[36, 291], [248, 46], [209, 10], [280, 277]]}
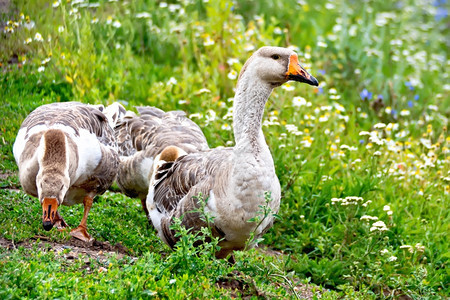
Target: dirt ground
{"points": [[72, 249], [4, 6]]}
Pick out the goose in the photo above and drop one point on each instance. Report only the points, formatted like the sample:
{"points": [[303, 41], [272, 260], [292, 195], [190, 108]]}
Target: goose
{"points": [[67, 154], [234, 182], [142, 136]]}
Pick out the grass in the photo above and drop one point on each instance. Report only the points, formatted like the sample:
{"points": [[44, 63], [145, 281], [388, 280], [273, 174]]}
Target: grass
{"points": [[363, 160]]}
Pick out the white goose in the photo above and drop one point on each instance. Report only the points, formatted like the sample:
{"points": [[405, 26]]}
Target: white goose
{"points": [[67, 154], [141, 137], [234, 180]]}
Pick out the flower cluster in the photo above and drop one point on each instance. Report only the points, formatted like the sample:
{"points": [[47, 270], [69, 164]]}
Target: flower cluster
{"points": [[351, 200]]}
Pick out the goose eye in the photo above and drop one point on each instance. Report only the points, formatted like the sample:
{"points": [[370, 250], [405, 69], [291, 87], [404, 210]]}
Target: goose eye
{"points": [[275, 56]]}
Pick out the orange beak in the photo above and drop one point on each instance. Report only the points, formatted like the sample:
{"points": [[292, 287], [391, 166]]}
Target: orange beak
{"points": [[297, 73], [49, 208]]}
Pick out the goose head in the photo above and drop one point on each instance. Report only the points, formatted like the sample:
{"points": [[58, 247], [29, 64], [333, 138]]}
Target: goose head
{"points": [[52, 189], [275, 66]]}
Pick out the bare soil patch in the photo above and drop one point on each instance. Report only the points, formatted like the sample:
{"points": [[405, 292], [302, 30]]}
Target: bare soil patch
{"points": [[242, 286], [72, 249], [4, 6], [5, 174]]}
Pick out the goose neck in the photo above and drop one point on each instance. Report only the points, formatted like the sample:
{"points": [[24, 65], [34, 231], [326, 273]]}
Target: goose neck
{"points": [[249, 103]]}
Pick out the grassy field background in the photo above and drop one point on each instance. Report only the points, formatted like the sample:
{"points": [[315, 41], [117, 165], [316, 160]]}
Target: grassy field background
{"points": [[363, 159]]}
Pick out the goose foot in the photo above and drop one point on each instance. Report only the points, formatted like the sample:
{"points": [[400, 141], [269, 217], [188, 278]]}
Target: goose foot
{"points": [[81, 233]]}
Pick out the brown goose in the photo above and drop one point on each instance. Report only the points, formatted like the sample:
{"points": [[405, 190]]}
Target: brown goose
{"points": [[234, 180], [67, 154], [141, 137]]}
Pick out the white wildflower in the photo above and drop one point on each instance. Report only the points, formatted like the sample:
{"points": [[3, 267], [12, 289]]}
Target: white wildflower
{"points": [[202, 91], [408, 247], [226, 126], [143, 15], [367, 203], [116, 24], [378, 226], [426, 143], [174, 7], [368, 218], [323, 118], [38, 37], [322, 44], [232, 61], [339, 107], [208, 41], [172, 81], [379, 126], [288, 87], [196, 115], [419, 247], [392, 258], [232, 75], [405, 112], [249, 47], [299, 101], [277, 30], [210, 116]]}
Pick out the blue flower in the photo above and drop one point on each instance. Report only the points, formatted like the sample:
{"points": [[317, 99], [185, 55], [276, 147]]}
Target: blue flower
{"points": [[365, 95], [362, 141], [320, 90], [416, 97], [322, 72], [394, 112], [441, 13], [410, 103], [409, 85], [380, 97], [439, 2]]}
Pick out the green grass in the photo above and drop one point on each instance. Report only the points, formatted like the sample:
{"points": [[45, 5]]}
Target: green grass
{"points": [[325, 142]]}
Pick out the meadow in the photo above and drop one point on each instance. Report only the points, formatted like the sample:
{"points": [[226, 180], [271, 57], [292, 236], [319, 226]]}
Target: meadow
{"points": [[363, 159]]}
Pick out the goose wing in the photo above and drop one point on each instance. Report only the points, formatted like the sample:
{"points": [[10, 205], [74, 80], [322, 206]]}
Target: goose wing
{"points": [[190, 176]]}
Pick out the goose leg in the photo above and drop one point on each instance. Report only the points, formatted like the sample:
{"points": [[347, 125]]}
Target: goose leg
{"points": [[81, 231], [144, 206]]}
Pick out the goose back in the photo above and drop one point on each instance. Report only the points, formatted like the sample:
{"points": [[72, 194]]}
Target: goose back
{"points": [[141, 137]]}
